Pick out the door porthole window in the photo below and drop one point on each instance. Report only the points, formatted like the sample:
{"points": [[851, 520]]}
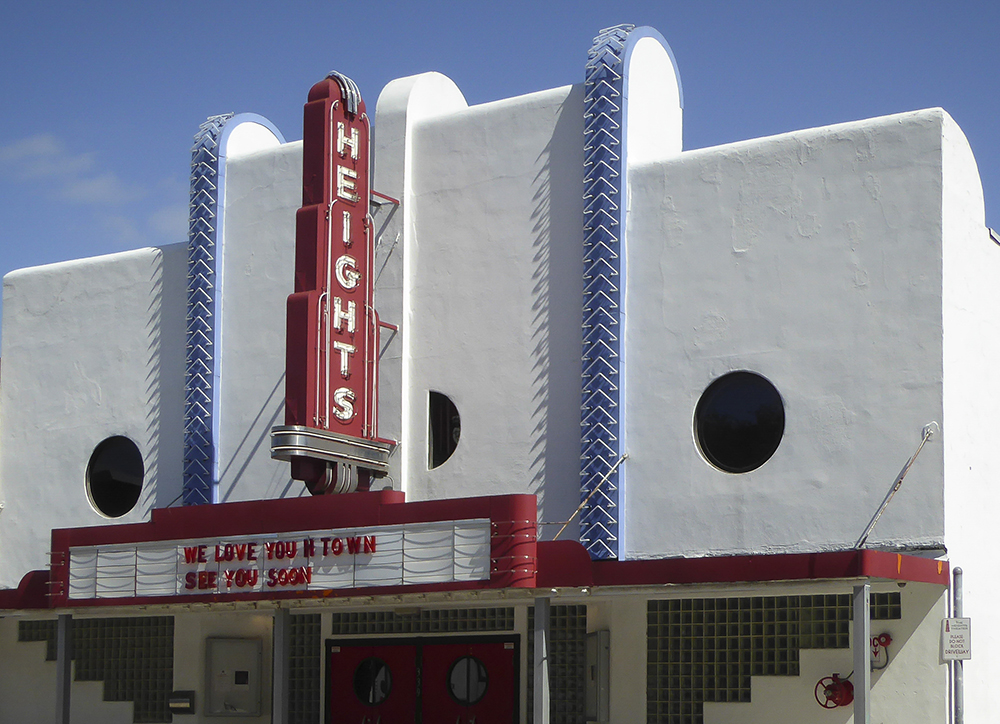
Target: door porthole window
{"points": [[372, 681], [114, 476], [467, 680], [739, 422]]}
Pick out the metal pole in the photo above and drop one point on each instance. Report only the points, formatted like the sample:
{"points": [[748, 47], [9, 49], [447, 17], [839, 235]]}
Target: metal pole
{"points": [[281, 651], [64, 666], [861, 644], [540, 705], [957, 612]]}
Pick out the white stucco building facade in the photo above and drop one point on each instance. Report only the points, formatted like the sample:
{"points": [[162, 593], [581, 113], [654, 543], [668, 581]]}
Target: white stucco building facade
{"points": [[607, 312]]}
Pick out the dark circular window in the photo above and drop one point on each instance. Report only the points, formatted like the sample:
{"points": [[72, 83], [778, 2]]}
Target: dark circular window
{"points": [[114, 476], [444, 430], [372, 681], [739, 421], [467, 680]]}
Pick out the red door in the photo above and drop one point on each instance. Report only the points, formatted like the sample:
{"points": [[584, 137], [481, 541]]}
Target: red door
{"points": [[373, 684], [469, 683]]}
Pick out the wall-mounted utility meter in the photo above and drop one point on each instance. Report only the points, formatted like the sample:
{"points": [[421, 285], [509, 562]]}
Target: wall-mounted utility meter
{"points": [[233, 670]]}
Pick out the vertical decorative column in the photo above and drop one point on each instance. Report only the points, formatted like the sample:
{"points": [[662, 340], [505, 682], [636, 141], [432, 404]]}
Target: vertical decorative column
{"points": [[281, 654], [540, 666], [604, 181], [203, 362], [200, 360], [64, 666], [861, 636]]}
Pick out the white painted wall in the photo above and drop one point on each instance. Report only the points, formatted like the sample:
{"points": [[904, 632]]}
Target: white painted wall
{"points": [[972, 388], [23, 668], [28, 685], [625, 618], [263, 190], [190, 632], [494, 302], [653, 111], [913, 687], [814, 259], [92, 348], [403, 104]]}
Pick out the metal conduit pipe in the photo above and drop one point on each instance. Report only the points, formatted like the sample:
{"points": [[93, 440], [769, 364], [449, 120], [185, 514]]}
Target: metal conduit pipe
{"points": [[957, 605]]}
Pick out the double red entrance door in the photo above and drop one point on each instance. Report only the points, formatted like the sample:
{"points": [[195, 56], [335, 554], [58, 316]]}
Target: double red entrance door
{"points": [[423, 681]]}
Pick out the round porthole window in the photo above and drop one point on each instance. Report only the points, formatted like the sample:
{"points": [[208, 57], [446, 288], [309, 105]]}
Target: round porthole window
{"points": [[739, 421], [372, 681], [467, 680], [114, 476]]}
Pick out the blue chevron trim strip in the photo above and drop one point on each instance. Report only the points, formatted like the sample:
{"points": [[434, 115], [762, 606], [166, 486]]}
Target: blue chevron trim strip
{"points": [[204, 304], [603, 481], [199, 376], [603, 172]]}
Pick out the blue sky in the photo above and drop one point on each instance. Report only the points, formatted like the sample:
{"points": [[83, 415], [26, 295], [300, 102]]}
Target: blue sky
{"points": [[101, 100]]}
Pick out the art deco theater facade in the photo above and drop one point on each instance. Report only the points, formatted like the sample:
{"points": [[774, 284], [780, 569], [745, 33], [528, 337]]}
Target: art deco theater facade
{"points": [[518, 412]]}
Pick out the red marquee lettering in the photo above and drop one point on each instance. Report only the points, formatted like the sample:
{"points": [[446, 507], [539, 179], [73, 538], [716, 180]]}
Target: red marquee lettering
{"points": [[190, 580], [308, 547], [241, 577], [277, 577], [369, 544], [354, 544], [251, 551], [337, 546]]}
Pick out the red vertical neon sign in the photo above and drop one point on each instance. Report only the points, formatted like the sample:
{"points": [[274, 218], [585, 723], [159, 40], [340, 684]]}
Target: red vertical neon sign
{"points": [[332, 328]]}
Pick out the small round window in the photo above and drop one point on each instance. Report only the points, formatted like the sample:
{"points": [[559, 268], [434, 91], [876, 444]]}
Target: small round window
{"points": [[372, 681], [467, 680], [444, 430], [114, 476], [739, 421]]}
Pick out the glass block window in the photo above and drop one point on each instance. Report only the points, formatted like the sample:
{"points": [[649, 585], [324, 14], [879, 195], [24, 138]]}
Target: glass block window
{"points": [[706, 649], [451, 620], [304, 665], [886, 607], [39, 631], [567, 664], [134, 657]]}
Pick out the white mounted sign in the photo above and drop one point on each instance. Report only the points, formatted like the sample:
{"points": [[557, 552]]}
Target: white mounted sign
{"points": [[392, 555], [956, 639]]}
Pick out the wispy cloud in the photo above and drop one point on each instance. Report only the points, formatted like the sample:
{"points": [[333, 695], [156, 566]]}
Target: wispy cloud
{"points": [[171, 222], [123, 230], [44, 156], [104, 189], [78, 178]]}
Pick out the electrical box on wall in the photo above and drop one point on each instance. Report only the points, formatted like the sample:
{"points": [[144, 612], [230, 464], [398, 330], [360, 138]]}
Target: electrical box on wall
{"points": [[233, 671], [599, 677]]}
